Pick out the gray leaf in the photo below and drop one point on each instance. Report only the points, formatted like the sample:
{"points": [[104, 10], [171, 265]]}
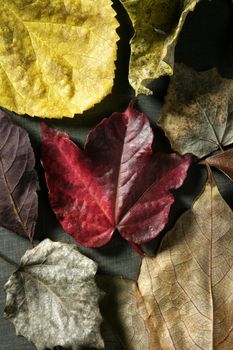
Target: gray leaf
{"points": [[18, 179], [52, 298]]}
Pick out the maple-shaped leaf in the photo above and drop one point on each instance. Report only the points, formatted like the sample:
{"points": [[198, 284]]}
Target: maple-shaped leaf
{"points": [[52, 298], [157, 25], [187, 287], [115, 182], [222, 161], [57, 58], [18, 179], [196, 116]]}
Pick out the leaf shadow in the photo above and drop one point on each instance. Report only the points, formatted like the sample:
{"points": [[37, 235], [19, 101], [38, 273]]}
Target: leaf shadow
{"points": [[184, 199], [112, 330], [225, 186]]}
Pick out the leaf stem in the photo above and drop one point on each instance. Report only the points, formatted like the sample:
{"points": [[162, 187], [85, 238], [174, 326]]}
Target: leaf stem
{"points": [[132, 102], [8, 260], [136, 247], [210, 174]]}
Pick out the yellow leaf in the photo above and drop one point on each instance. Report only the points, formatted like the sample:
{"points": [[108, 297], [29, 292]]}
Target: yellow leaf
{"points": [[56, 56], [157, 24], [187, 288]]}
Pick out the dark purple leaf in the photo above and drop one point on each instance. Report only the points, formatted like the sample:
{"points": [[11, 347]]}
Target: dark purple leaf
{"points": [[18, 179]]}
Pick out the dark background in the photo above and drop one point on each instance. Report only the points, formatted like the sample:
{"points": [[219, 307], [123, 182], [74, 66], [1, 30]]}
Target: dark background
{"points": [[205, 42]]}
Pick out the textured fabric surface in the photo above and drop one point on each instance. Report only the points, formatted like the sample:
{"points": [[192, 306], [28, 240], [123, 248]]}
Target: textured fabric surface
{"points": [[13, 247]]}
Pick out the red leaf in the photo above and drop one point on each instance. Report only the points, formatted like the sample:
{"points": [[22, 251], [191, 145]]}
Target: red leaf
{"points": [[116, 182]]}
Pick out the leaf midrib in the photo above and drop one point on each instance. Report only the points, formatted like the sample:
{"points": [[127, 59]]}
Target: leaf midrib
{"points": [[211, 262], [86, 187], [45, 286], [14, 206]]}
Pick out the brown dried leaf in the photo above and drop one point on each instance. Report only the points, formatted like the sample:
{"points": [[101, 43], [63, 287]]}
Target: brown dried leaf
{"points": [[52, 298], [195, 116], [187, 288], [222, 161]]}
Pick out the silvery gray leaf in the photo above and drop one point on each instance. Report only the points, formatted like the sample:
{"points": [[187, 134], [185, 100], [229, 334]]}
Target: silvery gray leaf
{"points": [[52, 298]]}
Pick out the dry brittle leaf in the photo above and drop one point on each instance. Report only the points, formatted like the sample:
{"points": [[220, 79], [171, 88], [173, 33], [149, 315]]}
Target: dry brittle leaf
{"points": [[157, 24], [57, 57], [222, 161], [196, 115], [187, 287], [52, 298]]}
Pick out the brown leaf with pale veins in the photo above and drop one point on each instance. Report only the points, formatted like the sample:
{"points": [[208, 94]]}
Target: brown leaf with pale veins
{"points": [[195, 116], [187, 288], [123, 327], [222, 161]]}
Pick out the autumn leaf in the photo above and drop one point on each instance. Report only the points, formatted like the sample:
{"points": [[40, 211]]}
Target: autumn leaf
{"points": [[57, 58], [222, 161], [116, 182], [196, 115], [18, 179], [157, 25], [187, 287], [123, 326], [52, 298]]}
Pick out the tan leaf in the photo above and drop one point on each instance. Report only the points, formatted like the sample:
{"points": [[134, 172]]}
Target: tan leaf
{"points": [[56, 57], [157, 25], [195, 116], [187, 288]]}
